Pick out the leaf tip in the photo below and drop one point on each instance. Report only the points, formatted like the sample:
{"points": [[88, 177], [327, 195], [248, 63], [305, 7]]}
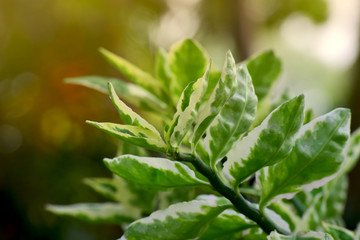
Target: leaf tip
{"points": [[103, 50], [69, 80], [92, 123], [107, 161]]}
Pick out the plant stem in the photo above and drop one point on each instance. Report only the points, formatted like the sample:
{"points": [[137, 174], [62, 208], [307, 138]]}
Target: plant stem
{"points": [[239, 202]]}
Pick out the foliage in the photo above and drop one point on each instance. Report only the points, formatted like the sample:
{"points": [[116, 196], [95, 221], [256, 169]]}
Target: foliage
{"points": [[221, 130]]}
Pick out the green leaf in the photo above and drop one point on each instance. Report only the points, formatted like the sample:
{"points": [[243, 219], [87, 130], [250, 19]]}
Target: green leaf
{"points": [[153, 172], [128, 115], [300, 236], [105, 186], [279, 217], [309, 116], [335, 194], [315, 159], [211, 108], [180, 194], [264, 70], [357, 232], [133, 134], [95, 212], [286, 212], [134, 74], [252, 234], [128, 148], [187, 61], [353, 154], [130, 195], [162, 68], [187, 110], [225, 225], [338, 233], [185, 220], [234, 118], [133, 94], [267, 144], [311, 218]]}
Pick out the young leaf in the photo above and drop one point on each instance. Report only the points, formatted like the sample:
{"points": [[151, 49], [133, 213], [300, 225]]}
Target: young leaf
{"points": [[187, 61], [96, 212], [267, 144], [211, 108], [228, 223], [187, 110], [301, 236], [234, 118], [133, 134], [128, 115], [315, 159], [338, 233], [134, 74], [185, 220], [264, 70], [153, 172], [133, 94]]}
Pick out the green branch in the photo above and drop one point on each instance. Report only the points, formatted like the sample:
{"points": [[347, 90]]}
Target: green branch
{"points": [[239, 202]]}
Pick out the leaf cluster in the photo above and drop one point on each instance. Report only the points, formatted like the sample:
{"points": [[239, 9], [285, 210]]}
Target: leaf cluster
{"points": [[227, 159]]}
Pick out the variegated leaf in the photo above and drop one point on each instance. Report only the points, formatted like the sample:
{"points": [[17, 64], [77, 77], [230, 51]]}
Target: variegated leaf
{"points": [[335, 194], [128, 148], [162, 68], [187, 61], [353, 154], [357, 232], [134, 74], [211, 108], [311, 218], [234, 118], [309, 116], [185, 220], [281, 219], [130, 195], [158, 173], [225, 225], [133, 94], [327, 205], [252, 234], [128, 115], [133, 134], [316, 158], [338, 233], [107, 187], [114, 213], [187, 110], [267, 144], [286, 213], [301, 236], [264, 70]]}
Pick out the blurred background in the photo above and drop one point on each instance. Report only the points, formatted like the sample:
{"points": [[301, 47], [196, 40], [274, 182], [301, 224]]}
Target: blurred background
{"points": [[46, 149]]}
